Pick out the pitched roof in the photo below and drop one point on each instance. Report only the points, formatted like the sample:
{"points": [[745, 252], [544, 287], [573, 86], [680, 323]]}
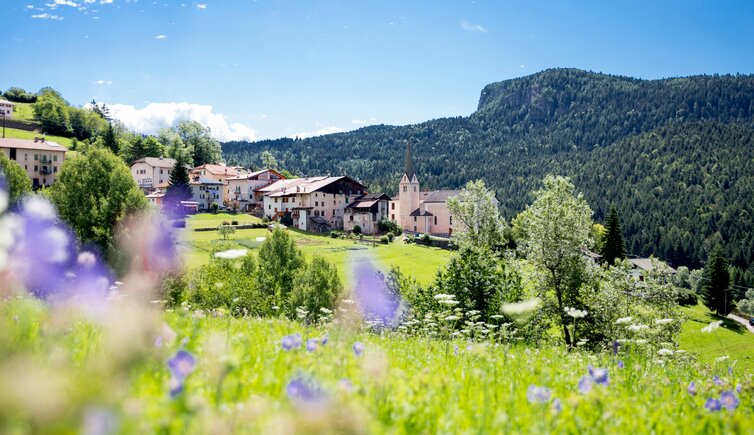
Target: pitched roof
{"points": [[214, 169], [7, 102], [208, 182], [441, 195], [410, 171], [293, 186], [646, 264], [255, 174], [157, 162], [29, 144], [418, 212]]}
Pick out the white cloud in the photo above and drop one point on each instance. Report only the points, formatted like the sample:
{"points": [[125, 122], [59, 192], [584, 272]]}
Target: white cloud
{"points": [[103, 82], [320, 132], [201, 5], [522, 66], [46, 17], [160, 37], [155, 116], [362, 121], [470, 27], [65, 3]]}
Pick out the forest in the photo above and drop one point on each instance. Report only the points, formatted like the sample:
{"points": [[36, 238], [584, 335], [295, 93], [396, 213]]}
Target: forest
{"points": [[674, 155]]}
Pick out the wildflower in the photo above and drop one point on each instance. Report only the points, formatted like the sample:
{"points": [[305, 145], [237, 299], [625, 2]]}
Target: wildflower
{"points": [[451, 318], [181, 364], [713, 405], [288, 342], [642, 341], [712, 326], [624, 320], [692, 388], [616, 345], [455, 350], [585, 384], [518, 308], [311, 344], [599, 376], [441, 296], [637, 328], [717, 381], [575, 313], [556, 405], [325, 338], [450, 302], [620, 364], [358, 348], [297, 340], [303, 391], [665, 352], [538, 394], [231, 254], [738, 388], [722, 358], [663, 321], [374, 298], [728, 400], [345, 384]]}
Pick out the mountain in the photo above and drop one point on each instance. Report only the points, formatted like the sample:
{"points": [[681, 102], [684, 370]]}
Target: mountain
{"points": [[675, 155]]}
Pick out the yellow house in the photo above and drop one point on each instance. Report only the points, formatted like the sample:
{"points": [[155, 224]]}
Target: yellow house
{"points": [[40, 158]]}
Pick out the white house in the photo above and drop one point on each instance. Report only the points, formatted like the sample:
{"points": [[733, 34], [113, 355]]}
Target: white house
{"points": [[6, 109], [207, 192], [244, 188], [366, 211], [152, 173], [41, 159]]}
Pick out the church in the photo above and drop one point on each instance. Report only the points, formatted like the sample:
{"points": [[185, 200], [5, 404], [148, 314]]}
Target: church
{"points": [[420, 211]]}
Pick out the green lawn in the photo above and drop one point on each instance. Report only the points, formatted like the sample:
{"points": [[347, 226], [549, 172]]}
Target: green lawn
{"points": [[23, 134], [24, 112], [732, 339], [418, 261]]}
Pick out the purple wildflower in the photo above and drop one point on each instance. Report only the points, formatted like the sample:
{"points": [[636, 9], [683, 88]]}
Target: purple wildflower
{"points": [[585, 384], [730, 370], [599, 376], [718, 381], [692, 388], [181, 365], [713, 405], [557, 405], [311, 345], [374, 297], [288, 342], [620, 364], [738, 388], [304, 391], [538, 394], [358, 348], [455, 350], [345, 384], [297, 340], [616, 345], [325, 338], [176, 387], [728, 400]]}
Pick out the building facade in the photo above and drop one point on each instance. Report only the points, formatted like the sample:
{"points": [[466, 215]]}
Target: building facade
{"points": [[6, 109], [366, 212], [421, 212], [244, 188], [207, 192], [41, 159], [152, 173]]}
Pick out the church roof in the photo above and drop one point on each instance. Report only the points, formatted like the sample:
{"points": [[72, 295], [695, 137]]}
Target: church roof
{"points": [[441, 195], [410, 171], [418, 212]]}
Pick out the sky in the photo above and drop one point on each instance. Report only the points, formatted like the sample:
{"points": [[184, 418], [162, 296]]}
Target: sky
{"points": [[260, 69]]}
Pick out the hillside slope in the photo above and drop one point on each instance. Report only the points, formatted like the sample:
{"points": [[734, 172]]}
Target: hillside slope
{"points": [[680, 147]]}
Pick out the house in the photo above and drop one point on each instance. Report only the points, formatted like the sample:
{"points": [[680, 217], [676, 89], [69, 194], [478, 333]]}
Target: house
{"points": [[217, 172], [421, 212], [313, 203], [155, 198], [366, 211], [641, 267], [244, 188], [40, 158], [206, 192], [152, 173], [6, 109]]}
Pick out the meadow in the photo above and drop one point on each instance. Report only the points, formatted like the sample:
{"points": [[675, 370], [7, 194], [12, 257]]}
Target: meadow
{"points": [[23, 134]]}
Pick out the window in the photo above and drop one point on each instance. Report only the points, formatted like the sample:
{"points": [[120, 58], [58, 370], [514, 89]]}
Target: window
{"points": [[269, 207], [350, 218], [55, 159], [392, 206], [26, 157], [414, 228], [316, 203], [435, 220], [55, 169], [333, 212], [36, 168], [36, 157], [414, 188], [414, 218], [404, 188], [450, 220], [392, 217], [160, 169]]}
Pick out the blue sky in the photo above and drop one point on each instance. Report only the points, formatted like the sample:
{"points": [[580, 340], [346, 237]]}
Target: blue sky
{"points": [[282, 68]]}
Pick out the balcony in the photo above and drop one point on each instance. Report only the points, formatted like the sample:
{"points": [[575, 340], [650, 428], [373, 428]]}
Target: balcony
{"points": [[45, 171]]}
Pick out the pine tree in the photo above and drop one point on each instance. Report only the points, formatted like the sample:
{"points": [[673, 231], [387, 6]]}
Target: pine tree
{"points": [[179, 188], [110, 139], [716, 290], [614, 247]]}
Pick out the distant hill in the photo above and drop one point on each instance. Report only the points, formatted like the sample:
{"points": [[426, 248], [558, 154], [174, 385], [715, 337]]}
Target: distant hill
{"points": [[675, 155]]}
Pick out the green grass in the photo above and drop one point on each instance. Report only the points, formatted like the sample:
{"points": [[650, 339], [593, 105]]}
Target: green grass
{"points": [[731, 339], [418, 261], [56, 368], [23, 134], [24, 112]]}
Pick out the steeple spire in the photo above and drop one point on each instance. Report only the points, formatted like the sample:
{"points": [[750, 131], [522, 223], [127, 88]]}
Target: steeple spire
{"points": [[410, 171]]}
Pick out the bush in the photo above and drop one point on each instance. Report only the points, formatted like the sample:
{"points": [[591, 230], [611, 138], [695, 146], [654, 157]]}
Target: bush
{"points": [[390, 236], [357, 229], [214, 207], [426, 238], [225, 231], [385, 239], [336, 234], [234, 222], [226, 223], [389, 226], [318, 286]]}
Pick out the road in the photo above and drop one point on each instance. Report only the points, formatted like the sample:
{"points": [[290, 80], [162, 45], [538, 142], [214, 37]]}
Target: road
{"points": [[742, 321]]}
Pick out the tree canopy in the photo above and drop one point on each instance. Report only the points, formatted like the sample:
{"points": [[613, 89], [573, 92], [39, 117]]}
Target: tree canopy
{"points": [[17, 182], [613, 246]]}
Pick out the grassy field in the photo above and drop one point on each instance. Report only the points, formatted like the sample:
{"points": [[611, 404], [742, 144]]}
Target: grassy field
{"points": [[71, 374], [732, 339], [23, 134], [24, 112], [418, 261]]}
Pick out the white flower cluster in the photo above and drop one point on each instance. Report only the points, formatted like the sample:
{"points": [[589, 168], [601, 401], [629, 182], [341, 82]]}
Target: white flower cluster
{"points": [[665, 352], [624, 320], [231, 254], [446, 299], [576, 314], [637, 328], [712, 326], [663, 321], [518, 308]]}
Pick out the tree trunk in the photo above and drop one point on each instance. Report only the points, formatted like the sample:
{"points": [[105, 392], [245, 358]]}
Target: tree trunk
{"points": [[559, 294]]}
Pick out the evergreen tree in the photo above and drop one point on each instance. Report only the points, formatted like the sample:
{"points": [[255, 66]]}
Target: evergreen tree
{"points": [[716, 290], [110, 139], [179, 188], [614, 247], [137, 149]]}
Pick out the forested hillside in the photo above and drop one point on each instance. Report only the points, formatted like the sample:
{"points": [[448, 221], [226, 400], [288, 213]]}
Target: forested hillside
{"points": [[675, 155]]}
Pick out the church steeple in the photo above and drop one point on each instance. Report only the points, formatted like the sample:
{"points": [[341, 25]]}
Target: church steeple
{"points": [[410, 171]]}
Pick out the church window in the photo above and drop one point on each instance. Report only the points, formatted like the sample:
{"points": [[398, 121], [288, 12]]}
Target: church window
{"points": [[404, 188], [392, 206], [414, 188], [435, 220], [414, 218]]}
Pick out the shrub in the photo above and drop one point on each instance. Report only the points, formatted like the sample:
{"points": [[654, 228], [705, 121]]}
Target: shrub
{"points": [[390, 237], [226, 223], [225, 231], [318, 286], [234, 222], [214, 207], [385, 239], [426, 238], [357, 229], [335, 234]]}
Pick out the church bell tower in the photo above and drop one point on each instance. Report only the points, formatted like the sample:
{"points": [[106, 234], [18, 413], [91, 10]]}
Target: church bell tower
{"points": [[408, 192]]}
